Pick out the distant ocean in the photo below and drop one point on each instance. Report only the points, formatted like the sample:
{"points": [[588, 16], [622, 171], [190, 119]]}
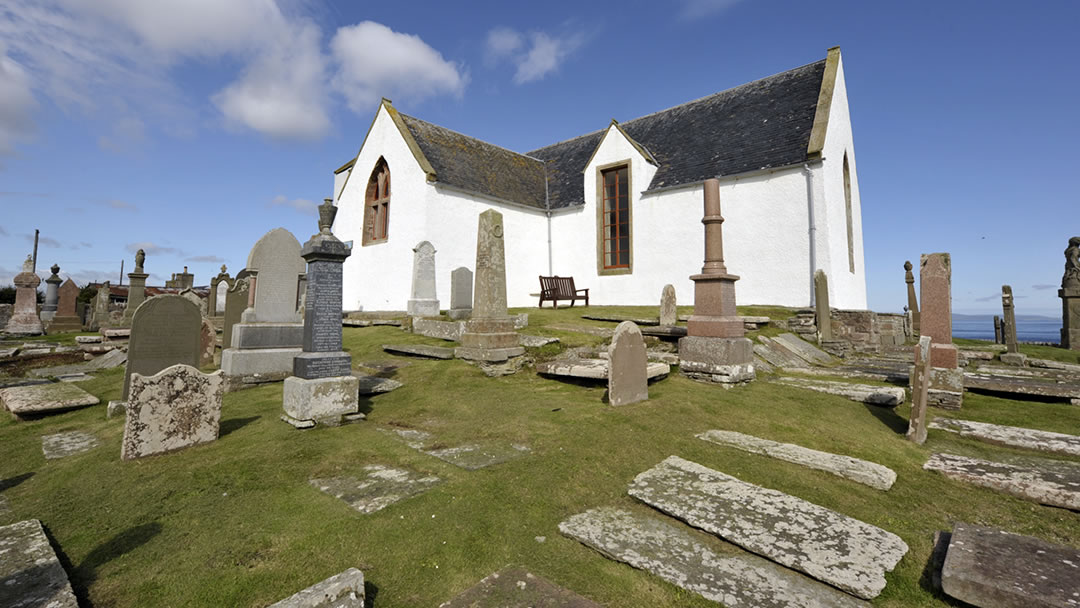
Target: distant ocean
{"points": [[977, 327]]}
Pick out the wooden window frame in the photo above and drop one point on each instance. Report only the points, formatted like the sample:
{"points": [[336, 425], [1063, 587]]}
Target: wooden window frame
{"points": [[601, 268], [377, 196]]}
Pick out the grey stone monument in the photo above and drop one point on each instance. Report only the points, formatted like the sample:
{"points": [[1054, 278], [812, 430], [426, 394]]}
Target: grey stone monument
{"points": [[236, 302], [100, 316], [461, 283], [24, 319], [67, 316], [1012, 354], [999, 335], [1070, 297], [821, 306], [173, 409], [668, 313], [489, 334], [920, 387], [164, 332], [322, 387], [136, 288], [627, 366], [219, 288], [423, 302], [946, 377], [52, 294], [912, 301], [195, 299]]}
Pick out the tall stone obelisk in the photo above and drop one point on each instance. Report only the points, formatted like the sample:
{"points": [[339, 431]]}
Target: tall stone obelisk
{"points": [[489, 333], [715, 347]]}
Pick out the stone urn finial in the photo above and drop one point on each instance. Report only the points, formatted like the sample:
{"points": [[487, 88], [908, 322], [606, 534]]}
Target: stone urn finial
{"points": [[55, 269], [28, 265], [327, 211]]}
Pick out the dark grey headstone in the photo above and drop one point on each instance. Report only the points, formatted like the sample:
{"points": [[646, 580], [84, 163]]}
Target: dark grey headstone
{"points": [[165, 331], [322, 356]]}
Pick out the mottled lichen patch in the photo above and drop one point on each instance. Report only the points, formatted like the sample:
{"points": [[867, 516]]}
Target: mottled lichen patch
{"points": [[67, 444], [173, 409], [1048, 482], [516, 588], [1012, 436], [380, 488], [30, 573], [44, 398], [343, 590]]}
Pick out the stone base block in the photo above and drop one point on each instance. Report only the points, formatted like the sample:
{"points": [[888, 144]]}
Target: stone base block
{"points": [[322, 400], [459, 314], [322, 365], [724, 374], [944, 356], [1017, 359], [24, 325], [262, 361], [711, 355], [946, 388], [1070, 339], [267, 335], [422, 308], [490, 355], [63, 324], [716, 327]]}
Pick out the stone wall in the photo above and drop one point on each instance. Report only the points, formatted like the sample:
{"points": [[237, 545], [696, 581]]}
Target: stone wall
{"points": [[854, 330]]}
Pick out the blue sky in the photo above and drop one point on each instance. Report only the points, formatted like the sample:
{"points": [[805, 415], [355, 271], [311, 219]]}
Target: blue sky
{"points": [[191, 127]]}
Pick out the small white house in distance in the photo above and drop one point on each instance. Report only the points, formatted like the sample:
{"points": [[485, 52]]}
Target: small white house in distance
{"points": [[620, 209]]}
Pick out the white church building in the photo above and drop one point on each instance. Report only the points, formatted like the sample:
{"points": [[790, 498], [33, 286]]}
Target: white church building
{"points": [[620, 209]]}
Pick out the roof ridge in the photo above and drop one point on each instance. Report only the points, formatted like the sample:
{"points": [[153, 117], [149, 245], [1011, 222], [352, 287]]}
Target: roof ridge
{"points": [[483, 141]]}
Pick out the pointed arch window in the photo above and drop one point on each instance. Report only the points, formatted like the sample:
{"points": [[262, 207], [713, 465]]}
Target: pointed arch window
{"points": [[377, 205]]}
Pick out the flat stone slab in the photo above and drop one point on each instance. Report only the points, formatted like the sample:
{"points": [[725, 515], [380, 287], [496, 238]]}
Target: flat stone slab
{"points": [[371, 322], [1012, 436], [516, 588], [1021, 386], [595, 369], [620, 319], [31, 573], [89, 339], [67, 444], [888, 396], [374, 385], [116, 332], [470, 456], [420, 350], [1058, 365], [664, 331], [777, 354], [1049, 482], [380, 488], [808, 352], [601, 332], [112, 358], [443, 330], [722, 573], [836, 549], [993, 568], [536, 342], [869, 473], [45, 398], [343, 590]]}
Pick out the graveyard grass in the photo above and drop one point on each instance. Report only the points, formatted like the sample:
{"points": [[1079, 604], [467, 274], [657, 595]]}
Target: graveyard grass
{"points": [[236, 523]]}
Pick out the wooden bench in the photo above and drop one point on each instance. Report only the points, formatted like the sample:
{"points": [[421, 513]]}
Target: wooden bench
{"points": [[553, 289]]}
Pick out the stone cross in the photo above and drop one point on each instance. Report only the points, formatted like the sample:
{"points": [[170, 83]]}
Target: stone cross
{"points": [[24, 319], [627, 366], [1010, 318], [52, 294], [164, 332], [668, 313], [489, 333], [423, 302], [461, 284], [219, 288], [920, 386], [912, 301], [136, 288], [1070, 297], [821, 306]]}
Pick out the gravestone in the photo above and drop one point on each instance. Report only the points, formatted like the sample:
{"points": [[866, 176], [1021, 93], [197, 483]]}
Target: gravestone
{"points": [[627, 380], [715, 348], [912, 301], [935, 279], [195, 299], [668, 313], [100, 316], [489, 333], [1070, 296], [821, 306], [219, 287], [423, 302], [175, 408], [136, 288], [920, 385], [164, 332], [322, 387], [24, 319], [276, 258], [207, 342], [236, 302], [67, 315], [1012, 356], [999, 335], [461, 284], [52, 294]]}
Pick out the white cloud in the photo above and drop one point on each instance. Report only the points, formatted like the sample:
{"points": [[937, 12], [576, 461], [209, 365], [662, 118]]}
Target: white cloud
{"points": [[16, 103], [696, 9], [542, 55], [211, 259], [302, 205], [502, 42], [151, 248], [375, 61]]}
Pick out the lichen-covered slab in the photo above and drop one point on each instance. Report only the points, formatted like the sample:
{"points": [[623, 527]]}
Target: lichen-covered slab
{"points": [[536, 342], [374, 385], [993, 568], [67, 444], [516, 588], [45, 398], [595, 369], [173, 409], [777, 355], [343, 590], [380, 488], [831, 547], [1012, 436], [1022, 386], [736, 578], [806, 351], [420, 350], [475, 456], [889, 396], [869, 473], [30, 573], [1049, 482]]}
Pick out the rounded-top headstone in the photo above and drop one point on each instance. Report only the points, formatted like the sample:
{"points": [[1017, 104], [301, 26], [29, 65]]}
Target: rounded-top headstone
{"points": [[628, 380], [165, 331], [276, 258]]}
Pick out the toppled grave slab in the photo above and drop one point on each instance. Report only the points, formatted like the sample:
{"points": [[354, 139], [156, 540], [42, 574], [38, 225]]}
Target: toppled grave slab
{"points": [[470, 456], [1012, 436], [1022, 386], [1058, 365], [343, 590], [89, 339], [777, 354], [374, 385], [975, 355], [31, 573], [370, 322], [993, 568], [888, 396], [420, 350], [1049, 482], [1024, 372], [39, 399], [726, 574], [620, 319], [806, 351], [382, 487], [114, 333], [516, 588], [113, 358], [602, 332], [536, 341], [864, 472], [596, 369], [664, 331], [833, 548], [67, 444]]}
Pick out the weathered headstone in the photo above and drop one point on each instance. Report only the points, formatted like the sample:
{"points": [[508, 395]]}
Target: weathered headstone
{"points": [[164, 332], [177, 407], [100, 316], [236, 302], [489, 333], [136, 288], [30, 572], [322, 388], [219, 287], [1009, 315], [423, 302], [935, 278], [1070, 296], [715, 347], [207, 342], [195, 299], [668, 313], [24, 319], [343, 590], [461, 284], [999, 335], [821, 306], [912, 301], [67, 317], [52, 294], [920, 385], [627, 381]]}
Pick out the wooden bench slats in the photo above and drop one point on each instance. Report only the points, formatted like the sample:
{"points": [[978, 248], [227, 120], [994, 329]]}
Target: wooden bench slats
{"points": [[553, 289]]}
